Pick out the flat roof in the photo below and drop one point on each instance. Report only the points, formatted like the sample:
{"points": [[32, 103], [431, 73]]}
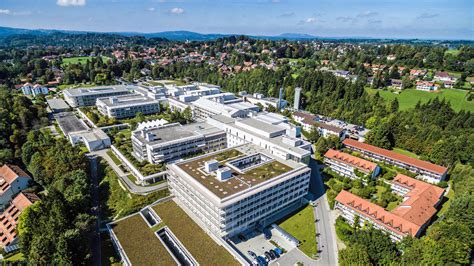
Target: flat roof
{"points": [[127, 100], [239, 181], [427, 166], [257, 124], [98, 90], [175, 132], [68, 122], [57, 104], [140, 243], [201, 246]]}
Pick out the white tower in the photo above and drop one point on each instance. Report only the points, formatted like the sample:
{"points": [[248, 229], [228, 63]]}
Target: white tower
{"points": [[296, 104]]}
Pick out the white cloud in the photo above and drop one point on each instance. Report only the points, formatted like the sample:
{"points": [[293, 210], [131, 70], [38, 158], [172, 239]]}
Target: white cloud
{"points": [[71, 2], [310, 20], [151, 9], [177, 10], [5, 11], [367, 14], [427, 15]]}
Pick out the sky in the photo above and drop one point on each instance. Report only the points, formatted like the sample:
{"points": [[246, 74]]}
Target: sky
{"points": [[424, 19]]}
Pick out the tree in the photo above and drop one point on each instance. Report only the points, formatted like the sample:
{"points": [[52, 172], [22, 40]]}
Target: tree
{"points": [[313, 135], [354, 255], [188, 114]]}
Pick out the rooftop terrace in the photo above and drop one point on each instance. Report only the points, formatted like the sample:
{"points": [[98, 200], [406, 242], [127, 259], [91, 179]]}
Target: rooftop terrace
{"points": [[239, 181]]}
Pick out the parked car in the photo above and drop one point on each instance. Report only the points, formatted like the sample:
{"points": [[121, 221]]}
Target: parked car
{"points": [[274, 253], [267, 256], [261, 261], [272, 257], [252, 254], [267, 234], [278, 251]]}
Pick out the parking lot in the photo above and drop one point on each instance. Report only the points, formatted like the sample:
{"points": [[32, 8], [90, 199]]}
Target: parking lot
{"points": [[256, 242]]}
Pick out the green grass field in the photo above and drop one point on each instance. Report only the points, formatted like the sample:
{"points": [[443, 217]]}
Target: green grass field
{"points": [[409, 97], [301, 225], [405, 152], [80, 60], [454, 52]]}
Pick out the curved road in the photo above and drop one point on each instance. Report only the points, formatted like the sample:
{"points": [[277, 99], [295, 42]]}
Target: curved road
{"points": [[131, 186]]}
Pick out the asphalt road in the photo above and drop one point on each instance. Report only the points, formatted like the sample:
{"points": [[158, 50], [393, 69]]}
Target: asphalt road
{"points": [[325, 224], [96, 252]]}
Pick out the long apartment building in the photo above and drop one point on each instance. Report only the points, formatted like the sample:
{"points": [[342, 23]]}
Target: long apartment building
{"points": [[410, 218], [124, 106], [269, 131], [173, 141], [9, 218], [238, 188], [308, 122], [429, 172], [12, 181], [345, 164], [80, 97]]}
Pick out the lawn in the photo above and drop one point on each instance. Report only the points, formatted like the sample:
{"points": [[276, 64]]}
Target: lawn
{"points": [[454, 52], [113, 157], [405, 152], [80, 60], [301, 226], [15, 258], [201, 246], [117, 202], [140, 243], [408, 98]]}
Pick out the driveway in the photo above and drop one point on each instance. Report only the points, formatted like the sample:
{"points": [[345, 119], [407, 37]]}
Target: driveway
{"points": [[325, 225], [131, 186]]}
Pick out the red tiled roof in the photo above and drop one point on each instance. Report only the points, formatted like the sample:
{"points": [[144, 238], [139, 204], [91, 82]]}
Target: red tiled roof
{"points": [[397, 157], [442, 74], [421, 202], [9, 218], [351, 160], [377, 214]]}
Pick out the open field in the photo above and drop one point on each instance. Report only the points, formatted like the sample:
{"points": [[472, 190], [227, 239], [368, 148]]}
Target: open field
{"points": [[454, 52], [405, 152], [301, 225], [203, 248], [409, 97], [80, 60]]}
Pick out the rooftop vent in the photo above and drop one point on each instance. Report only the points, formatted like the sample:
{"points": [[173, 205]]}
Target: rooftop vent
{"points": [[211, 166]]}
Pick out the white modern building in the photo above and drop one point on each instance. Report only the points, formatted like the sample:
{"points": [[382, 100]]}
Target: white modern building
{"points": [[94, 139], [79, 97], [269, 131], [174, 141], [345, 165], [308, 122], [258, 98], [238, 188], [205, 107], [128, 105], [30, 89]]}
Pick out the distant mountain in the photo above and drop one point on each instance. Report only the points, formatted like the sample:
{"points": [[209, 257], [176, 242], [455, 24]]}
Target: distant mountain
{"points": [[170, 35]]}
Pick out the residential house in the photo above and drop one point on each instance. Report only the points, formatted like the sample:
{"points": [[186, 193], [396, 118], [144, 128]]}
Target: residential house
{"points": [[426, 86], [347, 165], [12, 181]]}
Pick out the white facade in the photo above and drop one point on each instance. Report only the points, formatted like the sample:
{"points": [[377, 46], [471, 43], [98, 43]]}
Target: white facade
{"points": [[280, 138], [257, 205], [173, 141], [87, 96], [29, 89], [125, 106]]}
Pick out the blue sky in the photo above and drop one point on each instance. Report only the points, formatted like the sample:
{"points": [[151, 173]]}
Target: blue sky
{"points": [[438, 19]]}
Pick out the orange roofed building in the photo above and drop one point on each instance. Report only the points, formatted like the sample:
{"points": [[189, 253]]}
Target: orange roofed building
{"points": [[12, 180], [345, 164], [9, 218], [410, 218], [429, 172]]}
